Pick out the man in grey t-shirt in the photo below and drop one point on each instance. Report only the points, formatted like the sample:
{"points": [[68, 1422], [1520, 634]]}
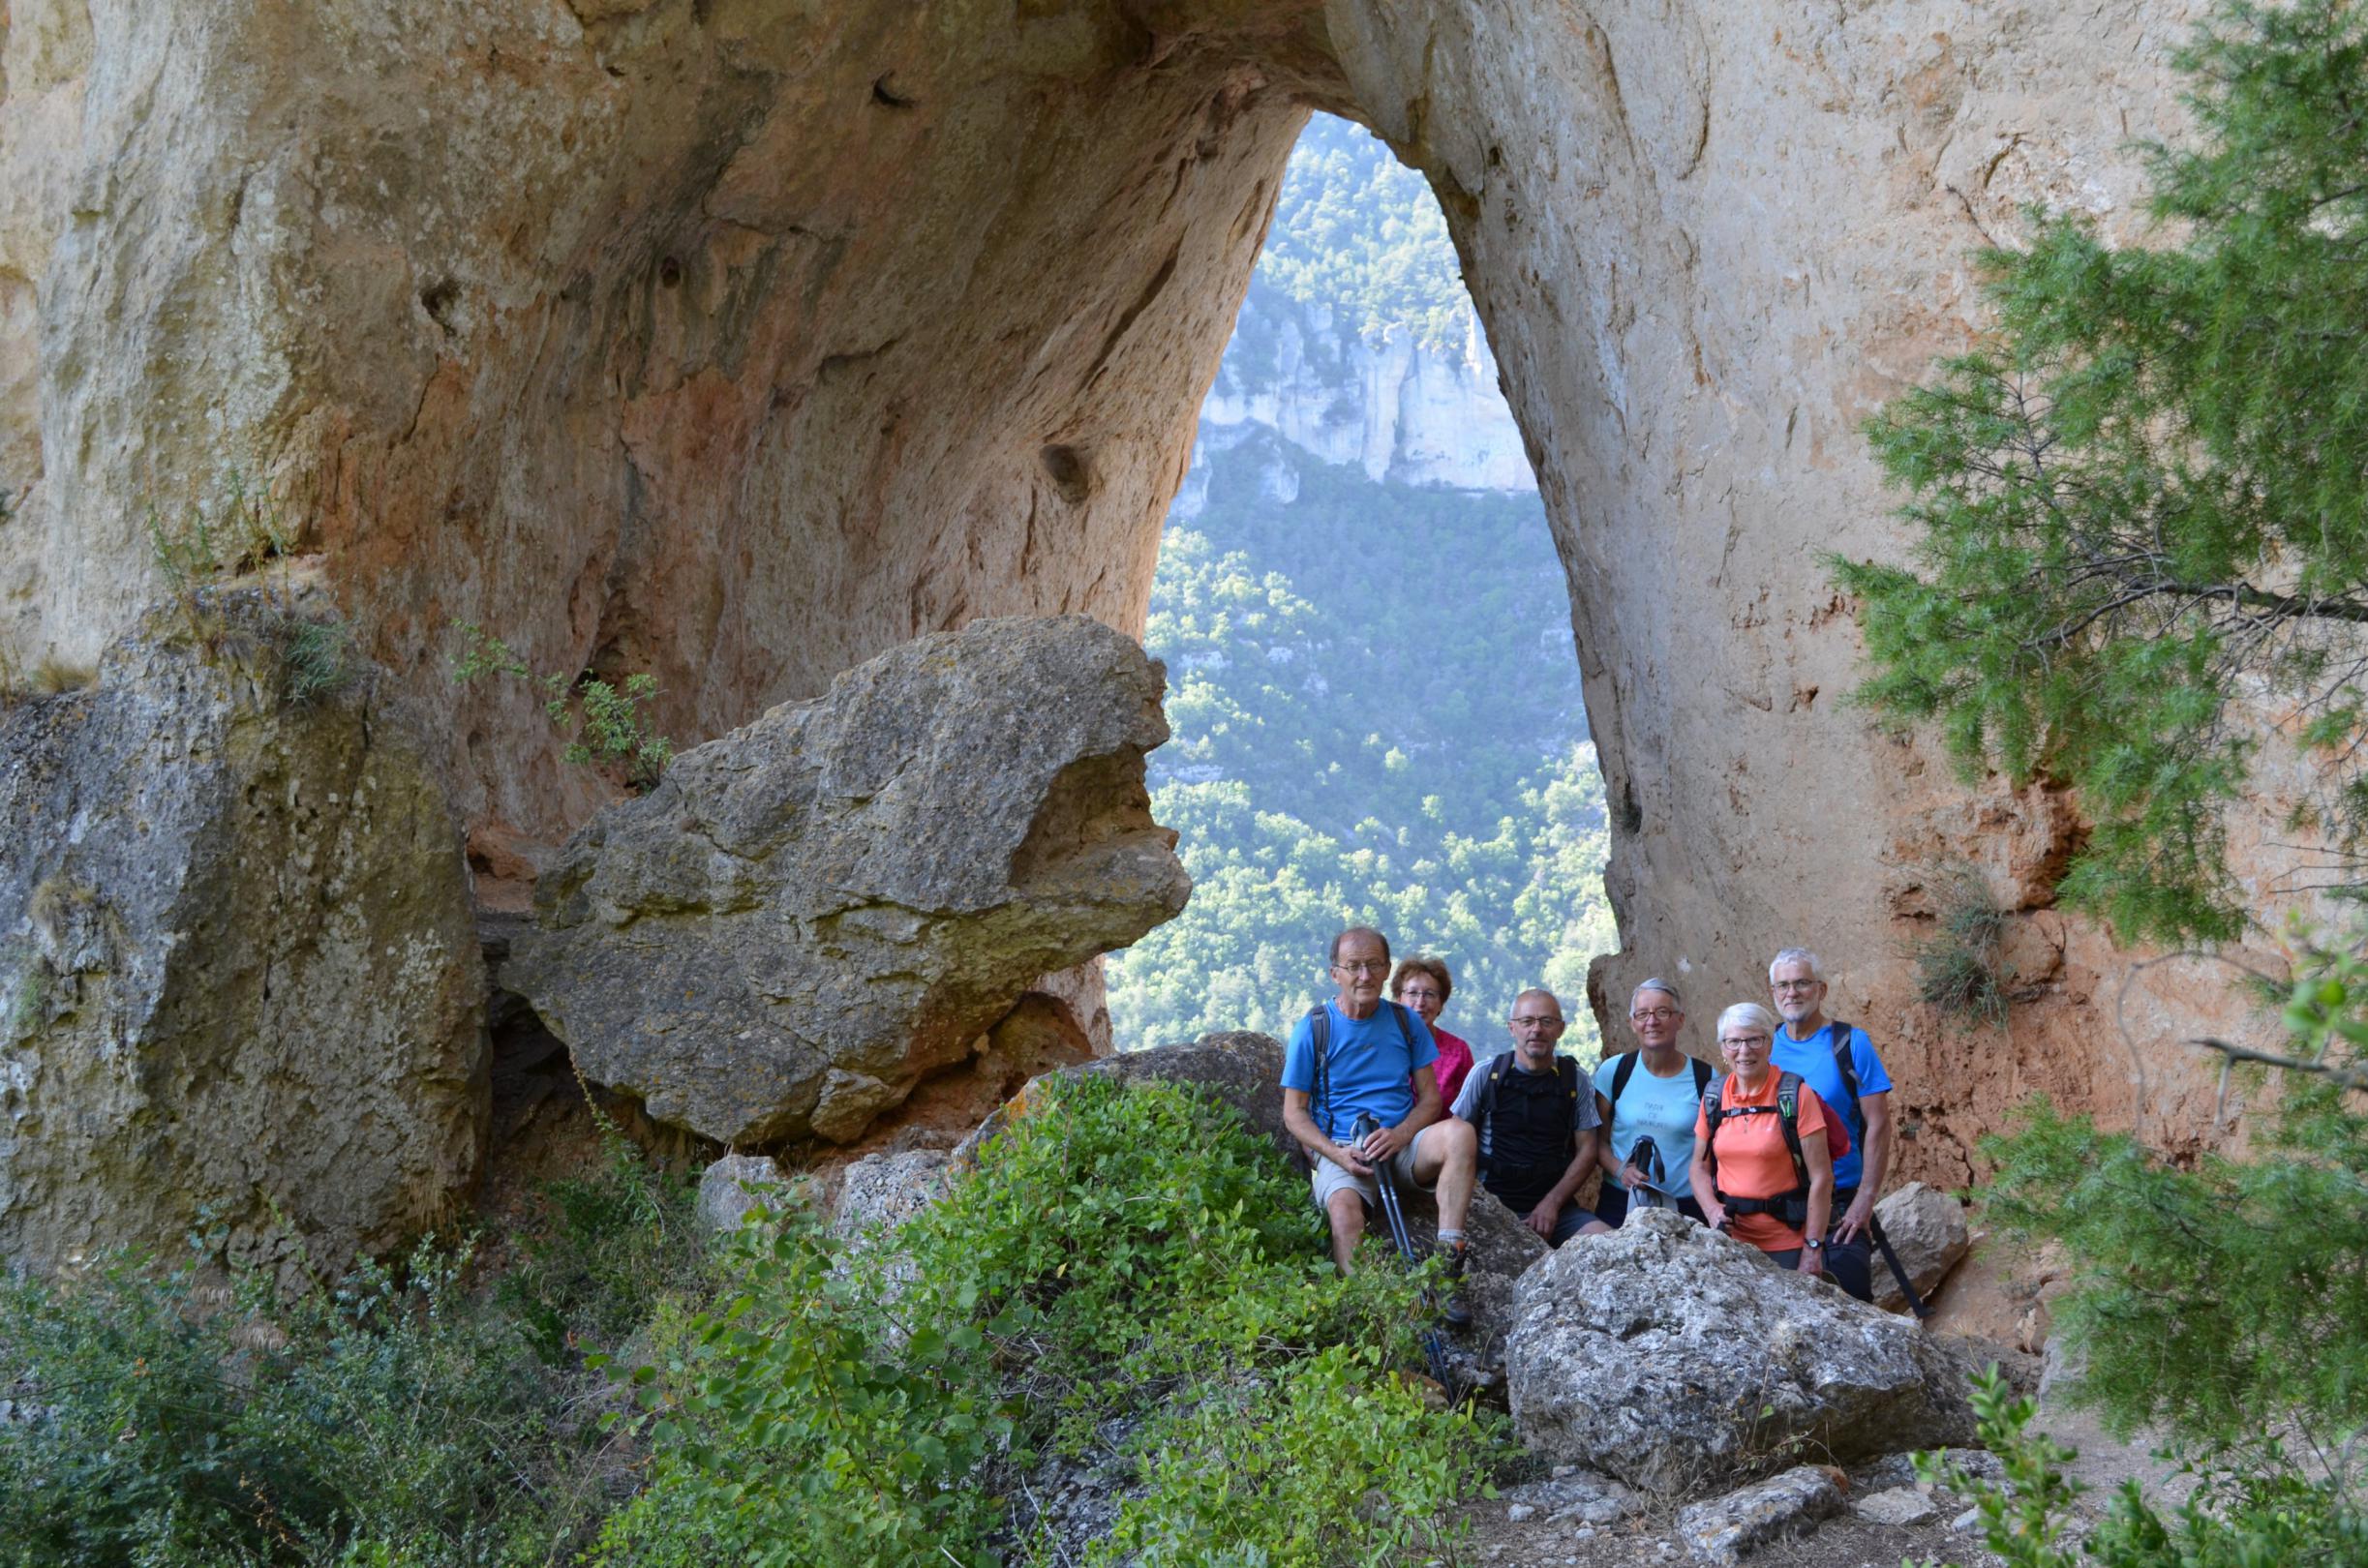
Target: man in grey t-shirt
{"points": [[1536, 1115]]}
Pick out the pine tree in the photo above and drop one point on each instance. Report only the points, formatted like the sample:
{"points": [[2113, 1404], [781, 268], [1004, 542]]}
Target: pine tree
{"points": [[2142, 504]]}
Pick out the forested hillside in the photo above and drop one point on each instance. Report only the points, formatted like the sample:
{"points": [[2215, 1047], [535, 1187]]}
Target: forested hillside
{"points": [[1372, 685]]}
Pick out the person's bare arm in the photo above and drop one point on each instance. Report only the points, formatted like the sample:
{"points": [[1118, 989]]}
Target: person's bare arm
{"points": [[1706, 1193], [1604, 1157], [1301, 1123], [1876, 1109], [1820, 1197]]}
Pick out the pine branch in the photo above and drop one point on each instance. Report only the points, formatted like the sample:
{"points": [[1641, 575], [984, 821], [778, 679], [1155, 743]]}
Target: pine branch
{"points": [[2343, 1074]]}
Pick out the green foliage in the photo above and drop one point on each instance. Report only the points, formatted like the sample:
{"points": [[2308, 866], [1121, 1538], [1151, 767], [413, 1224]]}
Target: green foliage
{"points": [[1282, 1471], [318, 659], [1360, 233], [2223, 1299], [235, 530], [1410, 756], [2253, 1519], [607, 725], [2149, 488], [621, 1242], [1959, 967], [193, 1417], [1125, 1252]]}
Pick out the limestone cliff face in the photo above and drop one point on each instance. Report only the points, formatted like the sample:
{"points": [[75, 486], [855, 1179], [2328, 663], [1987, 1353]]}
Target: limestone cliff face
{"points": [[736, 340], [1401, 409], [740, 340]]}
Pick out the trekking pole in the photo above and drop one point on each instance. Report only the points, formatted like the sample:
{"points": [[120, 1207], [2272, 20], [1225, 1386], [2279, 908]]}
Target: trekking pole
{"points": [[1915, 1303], [1384, 1178]]}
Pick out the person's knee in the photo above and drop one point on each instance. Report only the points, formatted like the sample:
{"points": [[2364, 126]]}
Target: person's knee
{"points": [[1459, 1147], [1347, 1212]]}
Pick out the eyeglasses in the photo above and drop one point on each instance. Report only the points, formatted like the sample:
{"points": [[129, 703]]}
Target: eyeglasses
{"points": [[1539, 1021], [1362, 966], [1746, 1040], [1798, 985], [1657, 1016], [1417, 993]]}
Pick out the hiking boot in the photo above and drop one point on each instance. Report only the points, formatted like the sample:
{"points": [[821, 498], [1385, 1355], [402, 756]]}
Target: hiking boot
{"points": [[1456, 1310]]}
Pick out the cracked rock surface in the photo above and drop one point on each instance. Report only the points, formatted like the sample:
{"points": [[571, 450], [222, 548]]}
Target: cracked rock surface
{"points": [[811, 914], [240, 981], [1676, 1359]]}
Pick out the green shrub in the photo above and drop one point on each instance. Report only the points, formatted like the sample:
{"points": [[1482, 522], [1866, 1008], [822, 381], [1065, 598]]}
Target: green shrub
{"points": [[619, 1246], [193, 1416], [170, 1426], [1958, 969], [2261, 1517], [318, 659], [606, 724], [1124, 1252]]}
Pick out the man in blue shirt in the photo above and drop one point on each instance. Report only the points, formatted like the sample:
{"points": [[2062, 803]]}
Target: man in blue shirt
{"points": [[1806, 1046], [1377, 1063]]}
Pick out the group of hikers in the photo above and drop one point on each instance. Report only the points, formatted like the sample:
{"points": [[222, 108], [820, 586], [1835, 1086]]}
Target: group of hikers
{"points": [[1786, 1150]]}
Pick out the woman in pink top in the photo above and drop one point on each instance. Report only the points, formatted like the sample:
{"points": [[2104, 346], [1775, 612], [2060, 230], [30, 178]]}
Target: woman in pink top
{"points": [[1421, 984]]}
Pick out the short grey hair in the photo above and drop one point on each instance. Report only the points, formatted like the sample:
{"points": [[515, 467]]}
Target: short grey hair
{"points": [[1796, 956], [1750, 1012], [1332, 955], [1656, 983]]}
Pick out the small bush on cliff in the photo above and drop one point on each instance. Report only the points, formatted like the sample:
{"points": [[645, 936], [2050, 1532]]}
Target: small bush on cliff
{"points": [[1958, 969], [608, 725], [2146, 494], [1128, 1266]]}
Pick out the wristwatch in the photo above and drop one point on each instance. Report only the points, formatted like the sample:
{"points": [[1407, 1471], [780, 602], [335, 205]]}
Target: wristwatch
{"points": [[1812, 1244]]}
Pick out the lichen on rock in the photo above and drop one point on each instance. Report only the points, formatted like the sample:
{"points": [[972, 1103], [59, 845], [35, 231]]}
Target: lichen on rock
{"points": [[239, 983], [1676, 1359]]}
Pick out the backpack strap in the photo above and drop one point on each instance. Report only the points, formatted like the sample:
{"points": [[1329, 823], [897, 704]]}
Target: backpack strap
{"points": [[1788, 1117], [1405, 1026], [1702, 1074], [1566, 1069], [1484, 1102], [1714, 1111], [1845, 1065], [1319, 1037]]}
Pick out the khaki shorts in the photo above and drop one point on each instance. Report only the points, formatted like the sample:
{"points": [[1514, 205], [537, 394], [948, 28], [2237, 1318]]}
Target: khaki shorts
{"points": [[1328, 1177]]}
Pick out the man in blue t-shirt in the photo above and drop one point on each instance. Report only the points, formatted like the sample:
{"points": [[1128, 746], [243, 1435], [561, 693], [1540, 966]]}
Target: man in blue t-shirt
{"points": [[1805, 1045], [1377, 1063]]}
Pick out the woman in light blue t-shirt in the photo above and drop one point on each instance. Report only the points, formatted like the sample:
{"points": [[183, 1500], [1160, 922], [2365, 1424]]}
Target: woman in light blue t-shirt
{"points": [[1651, 1093]]}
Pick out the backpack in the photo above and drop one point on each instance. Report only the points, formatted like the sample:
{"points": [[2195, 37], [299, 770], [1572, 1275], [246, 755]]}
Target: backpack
{"points": [[1792, 1208], [1484, 1099], [1320, 1036]]}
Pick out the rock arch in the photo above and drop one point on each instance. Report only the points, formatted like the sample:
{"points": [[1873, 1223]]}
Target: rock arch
{"points": [[737, 339]]}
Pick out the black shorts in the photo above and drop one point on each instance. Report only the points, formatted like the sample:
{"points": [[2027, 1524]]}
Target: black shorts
{"points": [[1612, 1206]]}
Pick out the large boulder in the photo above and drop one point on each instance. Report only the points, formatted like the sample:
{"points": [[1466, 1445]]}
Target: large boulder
{"points": [[240, 982], [811, 914], [1926, 1229], [1677, 1359]]}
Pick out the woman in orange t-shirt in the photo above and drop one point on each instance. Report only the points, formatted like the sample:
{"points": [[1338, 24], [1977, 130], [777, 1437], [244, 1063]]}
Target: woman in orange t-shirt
{"points": [[1753, 1162]]}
